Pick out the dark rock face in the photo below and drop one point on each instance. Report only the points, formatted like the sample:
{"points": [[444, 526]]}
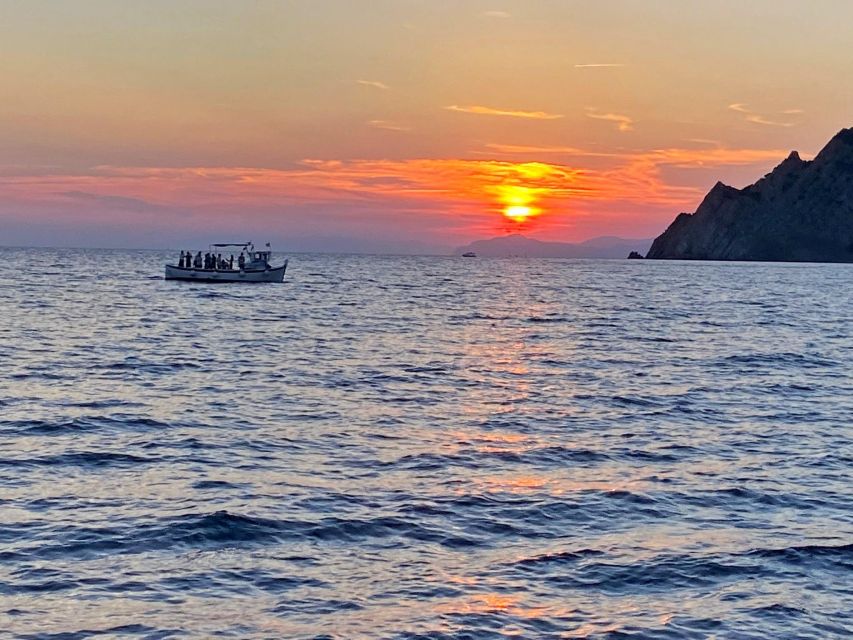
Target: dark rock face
{"points": [[800, 212], [635, 256]]}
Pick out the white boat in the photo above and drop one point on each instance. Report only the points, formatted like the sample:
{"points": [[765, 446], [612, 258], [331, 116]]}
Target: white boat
{"points": [[256, 268]]}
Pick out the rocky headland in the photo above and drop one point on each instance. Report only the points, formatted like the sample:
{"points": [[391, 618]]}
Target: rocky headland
{"points": [[802, 211]]}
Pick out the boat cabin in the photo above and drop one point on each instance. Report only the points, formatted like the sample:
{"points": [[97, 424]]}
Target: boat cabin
{"points": [[258, 260], [251, 259]]}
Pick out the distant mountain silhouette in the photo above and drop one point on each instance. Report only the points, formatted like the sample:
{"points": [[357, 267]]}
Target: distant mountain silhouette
{"points": [[519, 245], [800, 212]]}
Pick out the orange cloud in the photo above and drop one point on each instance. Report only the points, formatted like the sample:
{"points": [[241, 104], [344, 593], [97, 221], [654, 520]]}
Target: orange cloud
{"points": [[531, 149], [713, 157], [450, 193], [388, 125], [489, 111], [373, 83], [751, 116], [623, 123], [754, 117]]}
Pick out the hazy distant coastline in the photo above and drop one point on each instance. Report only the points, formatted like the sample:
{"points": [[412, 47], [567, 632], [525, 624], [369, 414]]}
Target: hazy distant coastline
{"points": [[518, 245]]}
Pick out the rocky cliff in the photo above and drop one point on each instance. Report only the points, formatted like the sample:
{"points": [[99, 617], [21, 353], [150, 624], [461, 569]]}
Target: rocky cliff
{"points": [[802, 211]]}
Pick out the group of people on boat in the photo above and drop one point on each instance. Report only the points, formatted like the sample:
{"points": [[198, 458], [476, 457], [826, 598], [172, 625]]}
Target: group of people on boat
{"points": [[210, 261]]}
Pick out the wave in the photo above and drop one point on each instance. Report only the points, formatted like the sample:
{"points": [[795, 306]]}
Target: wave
{"points": [[584, 568], [804, 554], [479, 457], [658, 575], [558, 558], [80, 458], [120, 630], [223, 529], [787, 359], [83, 425]]}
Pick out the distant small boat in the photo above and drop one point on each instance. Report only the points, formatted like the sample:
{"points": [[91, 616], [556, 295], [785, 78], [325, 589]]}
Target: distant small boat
{"points": [[469, 254], [256, 267]]}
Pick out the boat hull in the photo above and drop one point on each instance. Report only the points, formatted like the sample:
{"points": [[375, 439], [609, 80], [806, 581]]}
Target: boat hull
{"points": [[273, 274]]}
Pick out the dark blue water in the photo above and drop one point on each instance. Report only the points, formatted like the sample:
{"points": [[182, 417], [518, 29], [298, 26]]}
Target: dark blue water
{"points": [[425, 448]]}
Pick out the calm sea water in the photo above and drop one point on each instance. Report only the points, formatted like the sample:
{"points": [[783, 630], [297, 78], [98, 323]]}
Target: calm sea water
{"points": [[408, 447]]}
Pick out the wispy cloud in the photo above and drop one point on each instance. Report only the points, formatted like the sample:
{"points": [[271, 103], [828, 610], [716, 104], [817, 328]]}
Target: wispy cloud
{"points": [[497, 14], [757, 118], [388, 125], [529, 149], [374, 83], [714, 155], [599, 65], [705, 158], [489, 111], [623, 123], [705, 141]]}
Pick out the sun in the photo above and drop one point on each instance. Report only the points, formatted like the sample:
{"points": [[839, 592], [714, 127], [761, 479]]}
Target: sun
{"points": [[518, 213], [518, 202]]}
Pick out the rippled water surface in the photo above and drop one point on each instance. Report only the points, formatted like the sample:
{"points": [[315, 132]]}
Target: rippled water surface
{"points": [[393, 447]]}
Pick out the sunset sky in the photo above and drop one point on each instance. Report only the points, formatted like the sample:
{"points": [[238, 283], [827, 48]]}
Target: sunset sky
{"points": [[400, 125]]}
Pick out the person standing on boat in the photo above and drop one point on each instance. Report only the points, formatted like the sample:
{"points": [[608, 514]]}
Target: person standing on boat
{"points": [[241, 261], [198, 260], [181, 259], [189, 260], [231, 263]]}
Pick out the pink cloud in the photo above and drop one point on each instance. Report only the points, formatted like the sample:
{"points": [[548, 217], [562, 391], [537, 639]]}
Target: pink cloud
{"points": [[621, 193]]}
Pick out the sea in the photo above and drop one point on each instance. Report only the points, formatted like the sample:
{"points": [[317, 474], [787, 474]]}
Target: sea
{"points": [[425, 448]]}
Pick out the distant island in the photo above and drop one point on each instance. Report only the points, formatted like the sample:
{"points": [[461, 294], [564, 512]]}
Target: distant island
{"points": [[519, 245], [800, 212]]}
